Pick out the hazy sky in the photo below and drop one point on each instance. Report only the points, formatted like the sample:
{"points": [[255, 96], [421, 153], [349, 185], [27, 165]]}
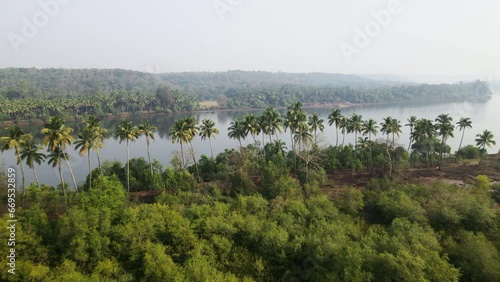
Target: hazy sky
{"points": [[446, 37]]}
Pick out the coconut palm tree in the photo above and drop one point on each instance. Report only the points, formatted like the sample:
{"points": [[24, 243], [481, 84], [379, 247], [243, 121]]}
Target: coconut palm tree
{"points": [[463, 124], [208, 130], [335, 117], [355, 124], [370, 127], [395, 128], [272, 122], [316, 123], [191, 126], [30, 153], [148, 130], [412, 121], [386, 126], [343, 126], [58, 135], [15, 140], [423, 135], [125, 131], [84, 143], [484, 140], [294, 116], [302, 134], [236, 131], [95, 125], [178, 133], [55, 158], [444, 129], [250, 125]]}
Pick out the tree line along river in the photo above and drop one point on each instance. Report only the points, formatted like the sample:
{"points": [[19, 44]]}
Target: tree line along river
{"points": [[484, 115]]}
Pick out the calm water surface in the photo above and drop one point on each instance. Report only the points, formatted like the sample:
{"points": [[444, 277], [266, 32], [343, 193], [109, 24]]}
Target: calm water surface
{"points": [[484, 115]]}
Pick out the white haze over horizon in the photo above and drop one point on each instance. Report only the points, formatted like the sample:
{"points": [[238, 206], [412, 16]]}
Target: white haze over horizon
{"points": [[428, 41]]}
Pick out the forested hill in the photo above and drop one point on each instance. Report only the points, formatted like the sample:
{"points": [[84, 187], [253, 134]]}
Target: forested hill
{"points": [[15, 82], [28, 94]]}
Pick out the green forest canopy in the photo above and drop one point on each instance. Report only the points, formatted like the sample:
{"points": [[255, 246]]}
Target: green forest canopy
{"points": [[38, 93]]}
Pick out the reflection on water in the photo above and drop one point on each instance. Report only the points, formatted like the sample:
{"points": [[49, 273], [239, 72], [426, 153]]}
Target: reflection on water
{"points": [[484, 115]]}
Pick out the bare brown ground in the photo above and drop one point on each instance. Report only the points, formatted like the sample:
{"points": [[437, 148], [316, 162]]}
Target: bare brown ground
{"points": [[460, 173]]}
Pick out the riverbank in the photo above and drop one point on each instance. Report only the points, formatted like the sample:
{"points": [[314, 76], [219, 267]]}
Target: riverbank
{"points": [[341, 105]]}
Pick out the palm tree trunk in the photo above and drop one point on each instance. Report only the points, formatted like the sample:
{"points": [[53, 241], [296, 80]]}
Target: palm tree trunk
{"points": [[195, 162], [128, 168], [182, 156], [343, 138], [90, 172], [99, 163], [71, 172], [481, 155], [337, 139], [151, 167], [441, 153], [62, 183], [354, 152], [36, 177], [22, 172], [409, 144], [461, 139], [211, 149], [149, 159]]}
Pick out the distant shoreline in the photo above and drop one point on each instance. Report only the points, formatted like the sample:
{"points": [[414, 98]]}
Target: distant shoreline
{"points": [[340, 105]]}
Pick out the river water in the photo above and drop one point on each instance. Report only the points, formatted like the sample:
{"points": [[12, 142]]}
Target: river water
{"points": [[484, 115]]}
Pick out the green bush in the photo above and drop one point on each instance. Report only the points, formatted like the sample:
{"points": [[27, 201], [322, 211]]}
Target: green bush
{"points": [[468, 152]]}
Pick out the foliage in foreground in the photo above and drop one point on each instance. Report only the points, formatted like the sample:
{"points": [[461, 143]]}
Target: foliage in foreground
{"points": [[387, 232]]}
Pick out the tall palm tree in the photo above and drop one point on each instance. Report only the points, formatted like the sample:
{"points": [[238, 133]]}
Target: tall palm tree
{"points": [[55, 158], [343, 126], [395, 128], [463, 124], [125, 131], [100, 133], [148, 130], [58, 135], [236, 131], [316, 123], [412, 121], [15, 139], [84, 144], [302, 134], [191, 126], [272, 122], [483, 140], [178, 133], [335, 117], [355, 124], [386, 126], [30, 153], [250, 125], [444, 129], [208, 130], [424, 133], [294, 116], [370, 127]]}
